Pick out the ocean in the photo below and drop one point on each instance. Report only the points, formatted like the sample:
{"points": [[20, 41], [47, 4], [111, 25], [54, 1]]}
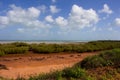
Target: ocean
{"points": [[44, 41]]}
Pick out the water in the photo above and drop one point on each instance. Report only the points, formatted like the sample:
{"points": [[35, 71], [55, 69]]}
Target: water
{"points": [[44, 41]]}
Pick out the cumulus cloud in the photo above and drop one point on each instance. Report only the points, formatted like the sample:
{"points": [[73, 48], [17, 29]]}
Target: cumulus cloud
{"points": [[80, 18], [19, 15], [106, 9], [49, 19], [117, 21], [54, 9], [61, 21], [4, 20], [26, 17]]}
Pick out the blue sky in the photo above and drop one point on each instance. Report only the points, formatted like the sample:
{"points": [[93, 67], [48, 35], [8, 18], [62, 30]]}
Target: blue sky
{"points": [[59, 20]]}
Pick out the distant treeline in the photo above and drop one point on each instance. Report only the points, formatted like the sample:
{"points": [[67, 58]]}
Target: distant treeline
{"points": [[20, 47]]}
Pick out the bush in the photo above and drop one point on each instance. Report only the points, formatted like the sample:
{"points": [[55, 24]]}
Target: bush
{"points": [[57, 48], [75, 72], [93, 62], [15, 50], [19, 44], [57, 75], [107, 58], [112, 57], [2, 53]]}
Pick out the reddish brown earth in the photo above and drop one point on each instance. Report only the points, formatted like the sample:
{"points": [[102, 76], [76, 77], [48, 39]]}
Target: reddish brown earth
{"points": [[12, 66]]}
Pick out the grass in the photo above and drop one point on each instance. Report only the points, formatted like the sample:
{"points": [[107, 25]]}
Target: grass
{"points": [[73, 73], [106, 58], [20, 47], [104, 66]]}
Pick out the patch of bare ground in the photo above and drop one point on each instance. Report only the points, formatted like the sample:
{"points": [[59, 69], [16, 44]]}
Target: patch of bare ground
{"points": [[12, 66]]}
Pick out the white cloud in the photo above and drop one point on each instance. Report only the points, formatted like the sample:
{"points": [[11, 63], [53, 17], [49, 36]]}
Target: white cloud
{"points": [[4, 20], [17, 14], [61, 21], [54, 9], [28, 18], [49, 19], [106, 9], [53, 1], [80, 18], [117, 21], [25, 17]]}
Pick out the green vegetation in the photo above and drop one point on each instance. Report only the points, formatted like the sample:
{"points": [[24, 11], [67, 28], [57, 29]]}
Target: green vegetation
{"points": [[105, 66], [87, 47], [74, 73], [20, 47], [106, 58], [13, 48]]}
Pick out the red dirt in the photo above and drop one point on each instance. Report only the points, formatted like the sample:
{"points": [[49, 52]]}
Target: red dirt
{"points": [[33, 64]]}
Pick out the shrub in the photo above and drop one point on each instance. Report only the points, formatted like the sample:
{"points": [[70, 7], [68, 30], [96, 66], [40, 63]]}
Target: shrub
{"points": [[93, 62], [112, 56], [2, 53], [19, 44], [107, 58], [57, 48], [57, 75], [15, 50], [75, 72]]}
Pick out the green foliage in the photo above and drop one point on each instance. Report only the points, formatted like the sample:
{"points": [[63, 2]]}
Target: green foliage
{"points": [[75, 72], [12, 49], [2, 53], [86, 47], [19, 44], [93, 62], [112, 57], [20, 47], [107, 58], [57, 75]]}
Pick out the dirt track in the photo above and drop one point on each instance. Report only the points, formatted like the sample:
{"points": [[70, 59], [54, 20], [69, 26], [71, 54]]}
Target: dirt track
{"points": [[13, 66]]}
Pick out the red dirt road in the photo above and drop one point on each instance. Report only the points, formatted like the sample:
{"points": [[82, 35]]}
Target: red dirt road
{"points": [[13, 66]]}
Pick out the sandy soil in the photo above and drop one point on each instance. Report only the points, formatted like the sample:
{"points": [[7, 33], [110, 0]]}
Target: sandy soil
{"points": [[12, 66]]}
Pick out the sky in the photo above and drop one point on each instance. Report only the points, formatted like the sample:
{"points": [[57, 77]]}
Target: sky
{"points": [[59, 20]]}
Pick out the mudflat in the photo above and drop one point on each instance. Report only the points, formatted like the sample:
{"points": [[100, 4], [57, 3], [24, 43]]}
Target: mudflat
{"points": [[25, 65]]}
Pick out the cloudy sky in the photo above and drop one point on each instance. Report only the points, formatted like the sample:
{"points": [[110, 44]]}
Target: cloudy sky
{"points": [[59, 19]]}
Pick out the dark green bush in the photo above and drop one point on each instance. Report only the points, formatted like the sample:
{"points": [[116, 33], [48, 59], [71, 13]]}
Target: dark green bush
{"points": [[107, 58], [75, 72], [93, 62]]}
